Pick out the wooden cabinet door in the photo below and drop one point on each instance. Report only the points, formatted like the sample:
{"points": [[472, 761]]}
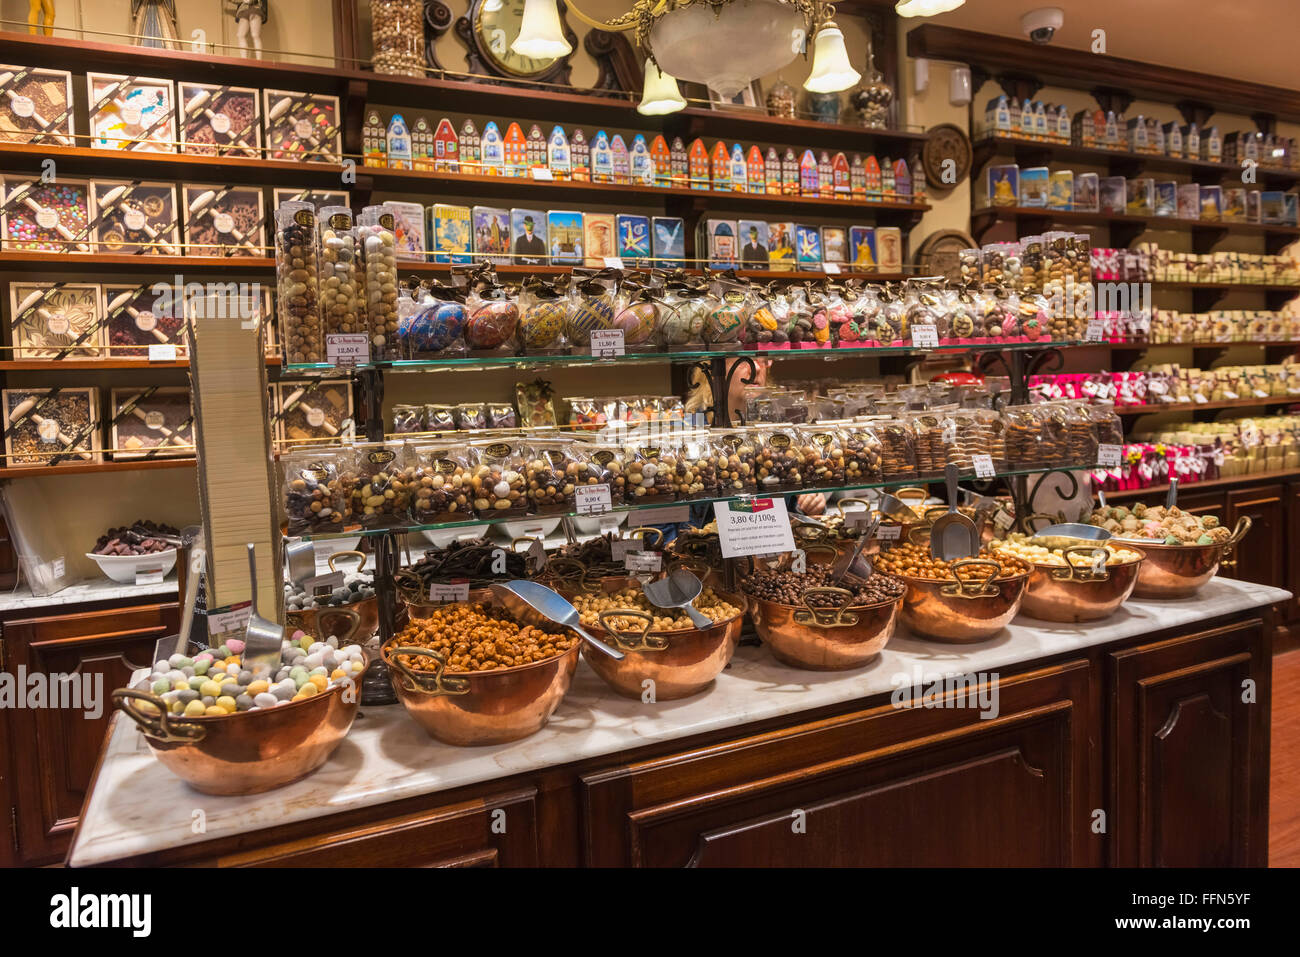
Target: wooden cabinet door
{"points": [[53, 751], [495, 831], [1292, 555], [1261, 557], [878, 787], [1188, 756]]}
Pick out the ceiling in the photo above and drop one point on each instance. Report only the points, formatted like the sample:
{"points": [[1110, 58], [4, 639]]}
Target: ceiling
{"points": [[1257, 41]]}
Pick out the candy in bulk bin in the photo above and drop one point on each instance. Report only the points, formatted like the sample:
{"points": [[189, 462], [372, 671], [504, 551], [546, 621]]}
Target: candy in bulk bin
{"points": [[493, 317], [340, 290], [542, 312], [378, 249], [436, 326], [591, 306], [296, 282]]}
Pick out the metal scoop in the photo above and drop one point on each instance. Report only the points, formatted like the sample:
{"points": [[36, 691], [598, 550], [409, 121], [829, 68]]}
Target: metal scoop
{"points": [[854, 561], [953, 535], [1171, 500], [679, 590], [891, 506], [526, 600], [263, 637]]}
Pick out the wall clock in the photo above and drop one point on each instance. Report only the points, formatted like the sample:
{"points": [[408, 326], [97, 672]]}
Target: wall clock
{"points": [[487, 31], [943, 143]]}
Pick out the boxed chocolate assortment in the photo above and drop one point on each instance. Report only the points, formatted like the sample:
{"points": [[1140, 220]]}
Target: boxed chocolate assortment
{"points": [[224, 221], [46, 217], [151, 423], [315, 410], [135, 218], [35, 105], [51, 426], [55, 320], [220, 120], [302, 126], [135, 320], [131, 113]]}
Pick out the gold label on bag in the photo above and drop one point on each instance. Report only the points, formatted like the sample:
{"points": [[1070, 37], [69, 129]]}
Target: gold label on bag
{"points": [[304, 217], [381, 456]]}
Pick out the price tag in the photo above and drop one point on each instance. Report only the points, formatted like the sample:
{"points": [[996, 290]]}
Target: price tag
{"points": [[613, 262], [668, 515], [1199, 399], [831, 269], [449, 591], [619, 548], [543, 173], [860, 519], [925, 336], [889, 533], [162, 352], [643, 561], [58, 567], [1003, 519], [329, 580], [231, 621], [983, 466], [949, 432], [756, 526], [149, 576], [1095, 332], [607, 343], [347, 349], [608, 524], [591, 499], [536, 554], [1108, 455]]}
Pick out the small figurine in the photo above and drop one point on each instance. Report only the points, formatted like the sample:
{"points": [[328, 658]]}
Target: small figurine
{"points": [[250, 17], [153, 24], [40, 17]]}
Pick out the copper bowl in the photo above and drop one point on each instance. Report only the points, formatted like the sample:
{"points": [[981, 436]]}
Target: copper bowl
{"points": [[1179, 571], [250, 751], [1080, 593], [480, 707], [962, 611], [681, 663], [824, 639], [315, 621]]}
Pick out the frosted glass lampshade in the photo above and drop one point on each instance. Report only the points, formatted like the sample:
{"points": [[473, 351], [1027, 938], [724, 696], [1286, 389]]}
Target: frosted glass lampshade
{"points": [[725, 50], [660, 94], [540, 35], [925, 8], [831, 70]]}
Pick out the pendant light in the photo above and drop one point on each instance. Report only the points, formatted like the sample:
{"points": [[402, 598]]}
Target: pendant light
{"points": [[831, 70], [926, 8], [660, 94], [540, 35]]}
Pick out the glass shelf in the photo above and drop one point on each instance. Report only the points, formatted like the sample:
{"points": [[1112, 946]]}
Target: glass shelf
{"points": [[650, 506], [637, 358]]}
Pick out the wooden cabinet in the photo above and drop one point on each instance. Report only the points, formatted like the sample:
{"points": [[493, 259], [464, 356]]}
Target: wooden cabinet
{"points": [[1188, 750], [885, 786], [1263, 555], [53, 751]]}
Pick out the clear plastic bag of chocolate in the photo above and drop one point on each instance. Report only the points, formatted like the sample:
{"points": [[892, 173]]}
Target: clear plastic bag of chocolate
{"points": [[543, 309], [830, 314], [825, 457], [471, 415], [601, 464], [790, 405], [897, 448], [684, 312], [1106, 423], [968, 266], [586, 413], [870, 319], [893, 315], [863, 457], [936, 432], [380, 484], [536, 403], [375, 233], [435, 326], [780, 459], [312, 497], [593, 303], [440, 418], [493, 317], [501, 415], [440, 484], [764, 327], [296, 273], [651, 472], [729, 306], [1030, 442], [497, 485], [551, 474], [799, 327], [1080, 436], [737, 461], [697, 466], [922, 301], [408, 419]]}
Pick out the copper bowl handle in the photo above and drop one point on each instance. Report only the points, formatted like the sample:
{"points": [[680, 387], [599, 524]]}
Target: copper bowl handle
{"points": [[160, 726], [354, 623], [839, 616], [423, 683], [1051, 519], [963, 589], [642, 531], [577, 572], [820, 548], [360, 555], [840, 503], [644, 641], [911, 492], [1094, 571], [911, 533], [811, 534]]}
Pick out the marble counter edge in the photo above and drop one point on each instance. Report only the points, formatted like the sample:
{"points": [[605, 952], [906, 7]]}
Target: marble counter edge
{"points": [[84, 592], [612, 724]]}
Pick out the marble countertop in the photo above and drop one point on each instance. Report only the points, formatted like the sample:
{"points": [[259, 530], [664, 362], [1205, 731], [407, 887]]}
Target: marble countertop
{"points": [[94, 589], [138, 807]]}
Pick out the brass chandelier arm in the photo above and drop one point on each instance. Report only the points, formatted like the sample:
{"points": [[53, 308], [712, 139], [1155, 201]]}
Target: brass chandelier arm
{"points": [[647, 11], [627, 21]]}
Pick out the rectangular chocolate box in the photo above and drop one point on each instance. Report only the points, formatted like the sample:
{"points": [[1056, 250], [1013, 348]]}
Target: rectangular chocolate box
{"points": [[56, 320], [136, 113], [218, 120], [135, 218], [154, 422], [36, 106], [55, 426]]}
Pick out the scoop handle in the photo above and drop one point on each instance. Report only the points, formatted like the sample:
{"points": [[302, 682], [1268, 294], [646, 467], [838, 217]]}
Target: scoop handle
{"points": [[1171, 500], [598, 644], [698, 618]]}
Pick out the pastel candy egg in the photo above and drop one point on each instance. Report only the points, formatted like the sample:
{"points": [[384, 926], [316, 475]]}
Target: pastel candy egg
{"points": [[638, 322], [265, 700], [501, 489], [209, 689], [161, 685], [195, 708], [236, 646]]}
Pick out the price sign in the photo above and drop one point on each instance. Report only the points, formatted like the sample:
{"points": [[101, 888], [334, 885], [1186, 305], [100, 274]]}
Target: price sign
{"points": [[329, 581], [1108, 455], [456, 590], [756, 526], [149, 576], [607, 343], [543, 173], [831, 269], [58, 568], [983, 466], [347, 349], [591, 499], [925, 336], [613, 262], [889, 533], [1095, 332], [668, 515], [643, 561], [858, 519], [162, 352], [1003, 519], [231, 621], [608, 523]]}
